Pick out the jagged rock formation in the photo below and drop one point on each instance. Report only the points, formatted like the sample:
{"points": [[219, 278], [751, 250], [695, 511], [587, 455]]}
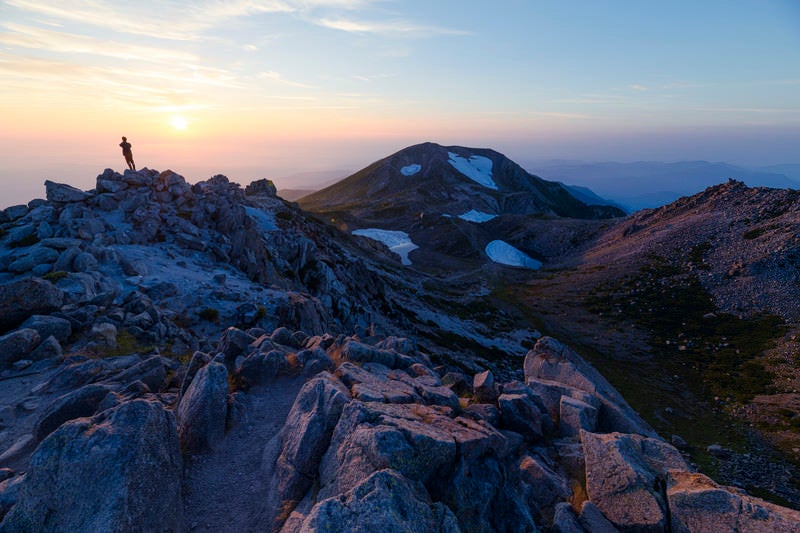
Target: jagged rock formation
{"points": [[375, 440]]}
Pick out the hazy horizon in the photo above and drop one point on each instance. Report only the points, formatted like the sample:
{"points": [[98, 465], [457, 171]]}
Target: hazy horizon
{"points": [[269, 88]]}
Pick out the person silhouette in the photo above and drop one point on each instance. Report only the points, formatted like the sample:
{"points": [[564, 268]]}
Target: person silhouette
{"points": [[126, 151]]}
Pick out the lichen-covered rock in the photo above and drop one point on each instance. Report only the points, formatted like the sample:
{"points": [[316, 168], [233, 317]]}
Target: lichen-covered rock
{"points": [[624, 478], [203, 409], [304, 439], [385, 501], [79, 403], [551, 361], [119, 471], [46, 325], [25, 297], [519, 413], [698, 505], [484, 388], [575, 416], [17, 345]]}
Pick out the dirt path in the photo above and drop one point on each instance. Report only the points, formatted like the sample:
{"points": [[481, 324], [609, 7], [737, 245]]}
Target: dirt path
{"points": [[224, 490]]}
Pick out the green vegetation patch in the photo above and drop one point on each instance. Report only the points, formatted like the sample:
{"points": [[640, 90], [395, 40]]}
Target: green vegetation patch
{"points": [[53, 277], [723, 350]]}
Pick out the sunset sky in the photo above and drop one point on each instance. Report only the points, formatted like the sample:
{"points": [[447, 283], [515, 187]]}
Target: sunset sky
{"points": [[270, 88]]}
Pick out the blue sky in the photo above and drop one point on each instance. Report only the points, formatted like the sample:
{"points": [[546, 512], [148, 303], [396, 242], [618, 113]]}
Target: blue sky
{"points": [[268, 88]]}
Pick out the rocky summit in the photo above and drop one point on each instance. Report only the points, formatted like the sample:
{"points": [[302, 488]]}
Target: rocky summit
{"points": [[207, 357]]}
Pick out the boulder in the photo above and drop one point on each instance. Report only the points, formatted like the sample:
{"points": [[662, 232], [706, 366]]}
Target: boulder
{"points": [[519, 413], [698, 505], [49, 348], [551, 361], [23, 298], [375, 385], [484, 388], [623, 477], [46, 325], [63, 193], [203, 409], [421, 442], [545, 487], [593, 520], [9, 493], [363, 353], [76, 404], [233, 343], [384, 501], [105, 333], [152, 372], [33, 257], [17, 345], [262, 187], [304, 439], [575, 415], [119, 471]]}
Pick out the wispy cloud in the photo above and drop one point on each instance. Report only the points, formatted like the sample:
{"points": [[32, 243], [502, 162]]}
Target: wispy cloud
{"points": [[172, 20], [394, 27], [36, 38], [160, 19], [276, 76]]}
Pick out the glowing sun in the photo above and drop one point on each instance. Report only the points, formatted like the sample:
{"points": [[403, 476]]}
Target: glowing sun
{"points": [[179, 123]]}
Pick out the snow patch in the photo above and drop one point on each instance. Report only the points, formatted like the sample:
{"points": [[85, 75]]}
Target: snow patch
{"points": [[477, 168], [505, 254], [410, 170], [397, 241], [476, 216]]}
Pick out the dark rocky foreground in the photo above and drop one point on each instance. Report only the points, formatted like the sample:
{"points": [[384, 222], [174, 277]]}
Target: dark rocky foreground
{"points": [[376, 439], [127, 403]]}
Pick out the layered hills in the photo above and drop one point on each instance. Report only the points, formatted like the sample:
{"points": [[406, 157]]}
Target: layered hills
{"points": [[214, 358]]}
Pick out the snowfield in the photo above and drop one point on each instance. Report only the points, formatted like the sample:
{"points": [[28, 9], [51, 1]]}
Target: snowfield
{"points": [[476, 216], [397, 241], [476, 168], [503, 253], [410, 170]]}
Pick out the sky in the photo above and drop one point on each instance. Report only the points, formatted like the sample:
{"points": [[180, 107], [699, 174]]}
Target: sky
{"points": [[283, 88]]}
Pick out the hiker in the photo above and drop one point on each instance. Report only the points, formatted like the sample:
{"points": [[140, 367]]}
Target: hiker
{"points": [[126, 151]]}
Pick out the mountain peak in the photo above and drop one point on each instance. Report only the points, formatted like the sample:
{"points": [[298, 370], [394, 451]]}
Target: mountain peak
{"points": [[426, 190]]}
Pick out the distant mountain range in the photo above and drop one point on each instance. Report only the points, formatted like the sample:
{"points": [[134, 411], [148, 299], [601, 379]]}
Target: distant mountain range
{"points": [[652, 184]]}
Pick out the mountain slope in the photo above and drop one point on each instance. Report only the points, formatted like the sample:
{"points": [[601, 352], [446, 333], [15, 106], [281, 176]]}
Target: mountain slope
{"points": [[449, 200], [691, 309]]}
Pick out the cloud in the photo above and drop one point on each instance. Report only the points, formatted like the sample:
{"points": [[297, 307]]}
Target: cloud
{"points": [[396, 27], [61, 42], [162, 19], [174, 20], [276, 76]]}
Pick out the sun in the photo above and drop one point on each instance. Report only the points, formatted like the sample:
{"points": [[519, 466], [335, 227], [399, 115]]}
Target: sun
{"points": [[179, 123]]}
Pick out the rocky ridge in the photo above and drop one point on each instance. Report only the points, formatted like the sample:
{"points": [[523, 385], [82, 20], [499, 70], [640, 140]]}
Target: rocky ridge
{"points": [[302, 416]]}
